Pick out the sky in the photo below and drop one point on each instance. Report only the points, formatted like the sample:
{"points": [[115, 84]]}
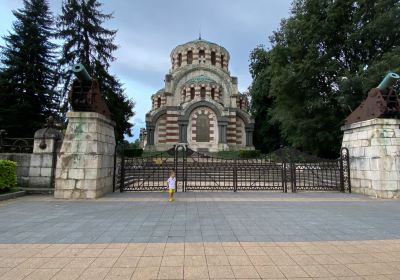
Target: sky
{"points": [[148, 30]]}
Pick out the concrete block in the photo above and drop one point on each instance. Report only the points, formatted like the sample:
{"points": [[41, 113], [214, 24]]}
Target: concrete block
{"points": [[34, 172], [45, 172], [76, 173]]}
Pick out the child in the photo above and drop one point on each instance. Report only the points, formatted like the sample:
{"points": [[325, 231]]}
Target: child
{"points": [[171, 185]]}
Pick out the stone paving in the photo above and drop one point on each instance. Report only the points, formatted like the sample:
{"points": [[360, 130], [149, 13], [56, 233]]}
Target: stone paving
{"points": [[201, 236]]}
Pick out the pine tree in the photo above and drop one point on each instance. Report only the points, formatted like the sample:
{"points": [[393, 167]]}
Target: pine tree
{"points": [[27, 95], [87, 41]]}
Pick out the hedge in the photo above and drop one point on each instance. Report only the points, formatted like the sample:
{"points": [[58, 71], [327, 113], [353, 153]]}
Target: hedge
{"points": [[133, 152], [8, 175], [249, 153]]}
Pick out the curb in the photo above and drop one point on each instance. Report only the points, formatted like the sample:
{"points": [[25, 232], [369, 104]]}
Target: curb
{"points": [[11, 195]]}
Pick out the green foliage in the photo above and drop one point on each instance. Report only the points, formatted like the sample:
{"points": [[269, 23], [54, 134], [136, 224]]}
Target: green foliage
{"points": [[27, 74], [228, 154], [8, 175], [86, 40], [249, 153], [324, 58], [133, 152]]}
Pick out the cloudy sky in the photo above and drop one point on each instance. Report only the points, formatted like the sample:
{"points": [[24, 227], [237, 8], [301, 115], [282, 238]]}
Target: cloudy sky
{"points": [[149, 29]]}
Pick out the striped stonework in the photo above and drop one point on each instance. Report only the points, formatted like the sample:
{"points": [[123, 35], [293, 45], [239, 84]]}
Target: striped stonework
{"points": [[212, 118], [161, 129], [231, 131], [199, 93], [240, 131], [172, 132]]}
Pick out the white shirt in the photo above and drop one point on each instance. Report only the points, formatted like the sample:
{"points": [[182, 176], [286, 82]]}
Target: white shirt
{"points": [[171, 182]]}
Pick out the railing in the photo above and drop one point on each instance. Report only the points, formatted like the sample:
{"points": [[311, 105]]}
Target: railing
{"points": [[15, 145]]}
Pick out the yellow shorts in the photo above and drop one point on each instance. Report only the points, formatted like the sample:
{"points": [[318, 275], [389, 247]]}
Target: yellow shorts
{"points": [[171, 190]]}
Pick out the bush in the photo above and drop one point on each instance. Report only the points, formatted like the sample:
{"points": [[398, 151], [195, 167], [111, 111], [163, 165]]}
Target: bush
{"points": [[249, 153], [133, 152], [8, 175]]}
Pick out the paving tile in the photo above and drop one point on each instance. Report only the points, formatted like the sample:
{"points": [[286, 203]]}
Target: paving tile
{"points": [[196, 272], [68, 274], [170, 272], [144, 273], [261, 260], [243, 272], [103, 262], [217, 260], [316, 271], [126, 262], [149, 261], [195, 261], [220, 272], [172, 261], [269, 272], [17, 274], [339, 270], [239, 260], [57, 263], [42, 274], [80, 263], [94, 273], [120, 274], [292, 271]]}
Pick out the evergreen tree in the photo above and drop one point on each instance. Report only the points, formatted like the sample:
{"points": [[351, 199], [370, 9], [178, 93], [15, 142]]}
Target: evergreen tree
{"points": [[87, 41], [27, 95], [323, 60]]}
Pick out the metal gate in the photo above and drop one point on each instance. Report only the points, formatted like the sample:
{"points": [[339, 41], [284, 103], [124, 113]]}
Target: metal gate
{"points": [[284, 170]]}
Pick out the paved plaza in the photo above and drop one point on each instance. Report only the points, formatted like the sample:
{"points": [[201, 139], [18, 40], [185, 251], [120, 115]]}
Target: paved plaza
{"points": [[221, 235]]}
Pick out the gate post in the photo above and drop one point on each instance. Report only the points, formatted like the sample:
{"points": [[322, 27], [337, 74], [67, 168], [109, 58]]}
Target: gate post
{"points": [[341, 173], [234, 175], [283, 177], [293, 176], [122, 180]]}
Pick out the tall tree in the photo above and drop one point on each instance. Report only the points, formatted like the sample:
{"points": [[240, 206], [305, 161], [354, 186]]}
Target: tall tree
{"points": [[27, 95], [267, 136], [323, 59], [86, 40]]}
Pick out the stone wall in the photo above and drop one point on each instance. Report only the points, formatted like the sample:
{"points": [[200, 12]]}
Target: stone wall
{"points": [[85, 162], [374, 149], [23, 163]]}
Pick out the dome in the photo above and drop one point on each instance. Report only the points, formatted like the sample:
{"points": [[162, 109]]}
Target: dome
{"points": [[199, 41]]}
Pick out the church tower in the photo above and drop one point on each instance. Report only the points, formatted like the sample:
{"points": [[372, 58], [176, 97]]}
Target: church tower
{"points": [[200, 104]]}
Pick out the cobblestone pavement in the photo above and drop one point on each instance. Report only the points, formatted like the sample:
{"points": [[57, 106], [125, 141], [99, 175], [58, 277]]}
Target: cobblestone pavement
{"points": [[201, 236]]}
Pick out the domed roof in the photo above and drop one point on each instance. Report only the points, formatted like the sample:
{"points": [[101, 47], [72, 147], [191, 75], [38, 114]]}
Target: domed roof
{"points": [[200, 79], [200, 41]]}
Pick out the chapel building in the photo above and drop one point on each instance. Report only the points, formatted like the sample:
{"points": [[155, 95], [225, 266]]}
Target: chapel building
{"points": [[200, 104]]}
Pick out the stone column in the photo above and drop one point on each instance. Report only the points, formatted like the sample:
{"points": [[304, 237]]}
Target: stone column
{"points": [[222, 132], [85, 163], [183, 131], [249, 135], [43, 160], [150, 134], [374, 150]]}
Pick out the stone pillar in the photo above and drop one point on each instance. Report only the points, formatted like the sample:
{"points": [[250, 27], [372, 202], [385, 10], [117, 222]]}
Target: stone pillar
{"points": [[183, 131], [222, 132], [150, 134], [374, 150], [85, 163], [249, 135], [43, 160]]}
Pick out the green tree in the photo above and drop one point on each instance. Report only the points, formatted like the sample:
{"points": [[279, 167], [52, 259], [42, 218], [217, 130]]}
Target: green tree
{"points": [[267, 136], [27, 75], [323, 60], [87, 41]]}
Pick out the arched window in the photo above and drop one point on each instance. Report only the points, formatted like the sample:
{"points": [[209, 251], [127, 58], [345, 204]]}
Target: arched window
{"points": [[212, 93], [202, 128], [213, 60], [192, 93], [189, 57], [202, 53], [203, 92], [159, 102], [184, 94], [222, 61], [179, 59], [241, 104]]}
